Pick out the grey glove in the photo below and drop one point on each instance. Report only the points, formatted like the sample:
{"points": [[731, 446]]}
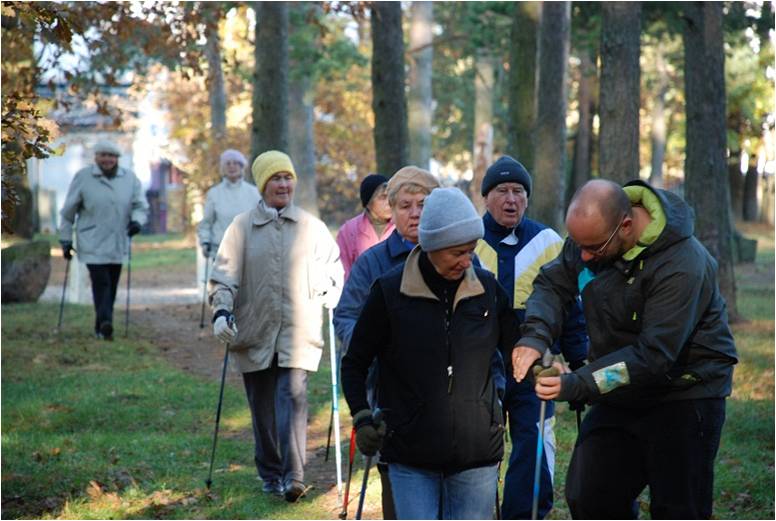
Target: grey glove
{"points": [[369, 436]]}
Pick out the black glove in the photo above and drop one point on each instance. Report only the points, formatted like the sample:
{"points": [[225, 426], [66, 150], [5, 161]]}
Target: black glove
{"points": [[369, 437], [67, 249], [206, 249], [133, 228]]}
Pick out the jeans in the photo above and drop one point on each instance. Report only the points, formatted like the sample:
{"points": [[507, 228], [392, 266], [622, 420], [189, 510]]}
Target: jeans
{"points": [[670, 448], [105, 281], [426, 494]]}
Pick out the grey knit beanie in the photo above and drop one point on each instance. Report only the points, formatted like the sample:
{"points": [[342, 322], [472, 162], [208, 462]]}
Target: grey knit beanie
{"points": [[448, 219]]}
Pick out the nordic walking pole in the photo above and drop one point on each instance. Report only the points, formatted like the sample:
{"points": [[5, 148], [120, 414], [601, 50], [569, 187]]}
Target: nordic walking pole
{"points": [[344, 513], [546, 363], [328, 436], [377, 417], [335, 405], [129, 285], [204, 293], [64, 289], [209, 480]]}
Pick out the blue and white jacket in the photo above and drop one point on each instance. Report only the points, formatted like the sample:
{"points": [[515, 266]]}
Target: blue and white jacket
{"points": [[515, 257]]}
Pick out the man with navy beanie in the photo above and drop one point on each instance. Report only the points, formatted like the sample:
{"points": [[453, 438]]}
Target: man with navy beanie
{"points": [[514, 248]]}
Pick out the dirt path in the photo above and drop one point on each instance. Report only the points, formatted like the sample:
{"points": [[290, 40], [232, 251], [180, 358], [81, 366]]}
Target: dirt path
{"points": [[175, 331], [166, 310]]}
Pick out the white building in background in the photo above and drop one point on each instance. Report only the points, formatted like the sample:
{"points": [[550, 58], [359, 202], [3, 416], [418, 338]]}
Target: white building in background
{"points": [[142, 140]]}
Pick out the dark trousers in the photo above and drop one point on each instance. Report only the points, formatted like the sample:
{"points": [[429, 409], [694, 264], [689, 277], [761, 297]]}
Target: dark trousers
{"points": [[670, 448], [523, 409], [278, 401], [105, 280]]}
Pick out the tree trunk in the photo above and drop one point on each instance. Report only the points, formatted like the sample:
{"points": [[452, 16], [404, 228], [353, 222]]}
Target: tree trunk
{"points": [[301, 142], [706, 183], [388, 99], [619, 103], [420, 98], [750, 208], [522, 81], [581, 168], [550, 165], [215, 75], [482, 155], [269, 130], [736, 181], [659, 132]]}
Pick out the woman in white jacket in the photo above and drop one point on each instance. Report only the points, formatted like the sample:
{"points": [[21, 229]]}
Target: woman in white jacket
{"points": [[276, 266], [230, 197]]}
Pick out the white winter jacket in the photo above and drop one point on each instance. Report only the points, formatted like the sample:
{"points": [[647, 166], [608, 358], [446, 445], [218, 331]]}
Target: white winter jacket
{"points": [[274, 271], [100, 209], [223, 202]]}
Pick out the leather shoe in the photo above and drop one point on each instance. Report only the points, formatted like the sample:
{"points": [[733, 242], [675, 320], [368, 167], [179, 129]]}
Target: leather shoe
{"points": [[272, 487], [106, 330], [293, 490]]}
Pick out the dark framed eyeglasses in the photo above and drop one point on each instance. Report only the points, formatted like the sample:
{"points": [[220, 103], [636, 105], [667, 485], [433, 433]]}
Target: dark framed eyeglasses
{"points": [[599, 251]]}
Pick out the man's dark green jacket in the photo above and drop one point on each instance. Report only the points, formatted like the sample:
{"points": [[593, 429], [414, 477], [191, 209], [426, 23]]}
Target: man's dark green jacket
{"points": [[657, 323]]}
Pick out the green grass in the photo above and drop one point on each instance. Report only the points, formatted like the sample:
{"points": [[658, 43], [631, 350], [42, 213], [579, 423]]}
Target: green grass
{"points": [[94, 430]]}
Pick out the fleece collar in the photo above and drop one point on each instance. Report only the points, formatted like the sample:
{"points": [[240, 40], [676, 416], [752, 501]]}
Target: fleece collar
{"points": [[413, 285], [643, 196]]}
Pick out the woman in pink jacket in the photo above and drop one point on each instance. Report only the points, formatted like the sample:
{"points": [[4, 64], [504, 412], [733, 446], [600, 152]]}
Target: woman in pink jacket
{"points": [[371, 226]]}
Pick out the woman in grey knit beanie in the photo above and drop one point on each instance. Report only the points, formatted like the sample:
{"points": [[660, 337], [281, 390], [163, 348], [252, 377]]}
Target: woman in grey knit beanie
{"points": [[438, 327]]}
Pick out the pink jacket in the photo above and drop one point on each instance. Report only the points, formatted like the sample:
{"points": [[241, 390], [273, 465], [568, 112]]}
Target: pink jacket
{"points": [[355, 237]]}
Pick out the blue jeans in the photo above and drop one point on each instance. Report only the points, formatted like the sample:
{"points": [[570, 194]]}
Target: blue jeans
{"points": [[426, 494]]}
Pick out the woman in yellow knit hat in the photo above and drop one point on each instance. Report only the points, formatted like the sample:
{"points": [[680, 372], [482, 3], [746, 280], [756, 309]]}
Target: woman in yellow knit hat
{"points": [[276, 267]]}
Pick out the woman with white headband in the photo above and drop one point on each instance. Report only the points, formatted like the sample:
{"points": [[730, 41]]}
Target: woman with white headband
{"points": [[224, 201]]}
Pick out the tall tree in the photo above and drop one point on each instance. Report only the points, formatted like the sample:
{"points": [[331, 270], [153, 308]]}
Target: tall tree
{"points": [[305, 40], [659, 128], [522, 81], [421, 58], [215, 73], [388, 99], [269, 130], [619, 100], [482, 155], [581, 166], [706, 175], [550, 166]]}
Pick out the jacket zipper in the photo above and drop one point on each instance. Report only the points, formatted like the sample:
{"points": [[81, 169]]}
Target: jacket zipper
{"points": [[448, 319]]}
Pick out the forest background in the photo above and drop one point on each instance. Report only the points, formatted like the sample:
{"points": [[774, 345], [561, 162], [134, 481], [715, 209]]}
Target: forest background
{"points": [[678, 93]]}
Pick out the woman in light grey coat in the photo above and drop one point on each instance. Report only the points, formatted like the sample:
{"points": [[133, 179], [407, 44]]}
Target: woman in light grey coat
{"points": [[276, 266], [227, 199], [105, 203]]}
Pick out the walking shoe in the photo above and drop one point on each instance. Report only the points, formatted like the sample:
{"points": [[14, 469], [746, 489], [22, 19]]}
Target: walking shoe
{"points": [[293, 490], [106, 329], [272, 487]]}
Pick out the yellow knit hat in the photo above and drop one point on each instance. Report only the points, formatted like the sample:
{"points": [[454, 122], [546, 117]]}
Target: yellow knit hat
{"points": [[268, 164]]}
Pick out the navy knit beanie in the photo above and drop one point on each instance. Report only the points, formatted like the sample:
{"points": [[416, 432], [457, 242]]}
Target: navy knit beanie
{"points": [[506, 170], [369, 185]]}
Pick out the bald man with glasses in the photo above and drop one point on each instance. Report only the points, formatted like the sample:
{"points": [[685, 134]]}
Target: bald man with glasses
{"points": [[661, 352]]}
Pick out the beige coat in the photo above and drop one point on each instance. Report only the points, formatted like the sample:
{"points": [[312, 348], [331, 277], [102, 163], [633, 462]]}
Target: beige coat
{"points": [[103, 208], [223, 202], [272, 271]]}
